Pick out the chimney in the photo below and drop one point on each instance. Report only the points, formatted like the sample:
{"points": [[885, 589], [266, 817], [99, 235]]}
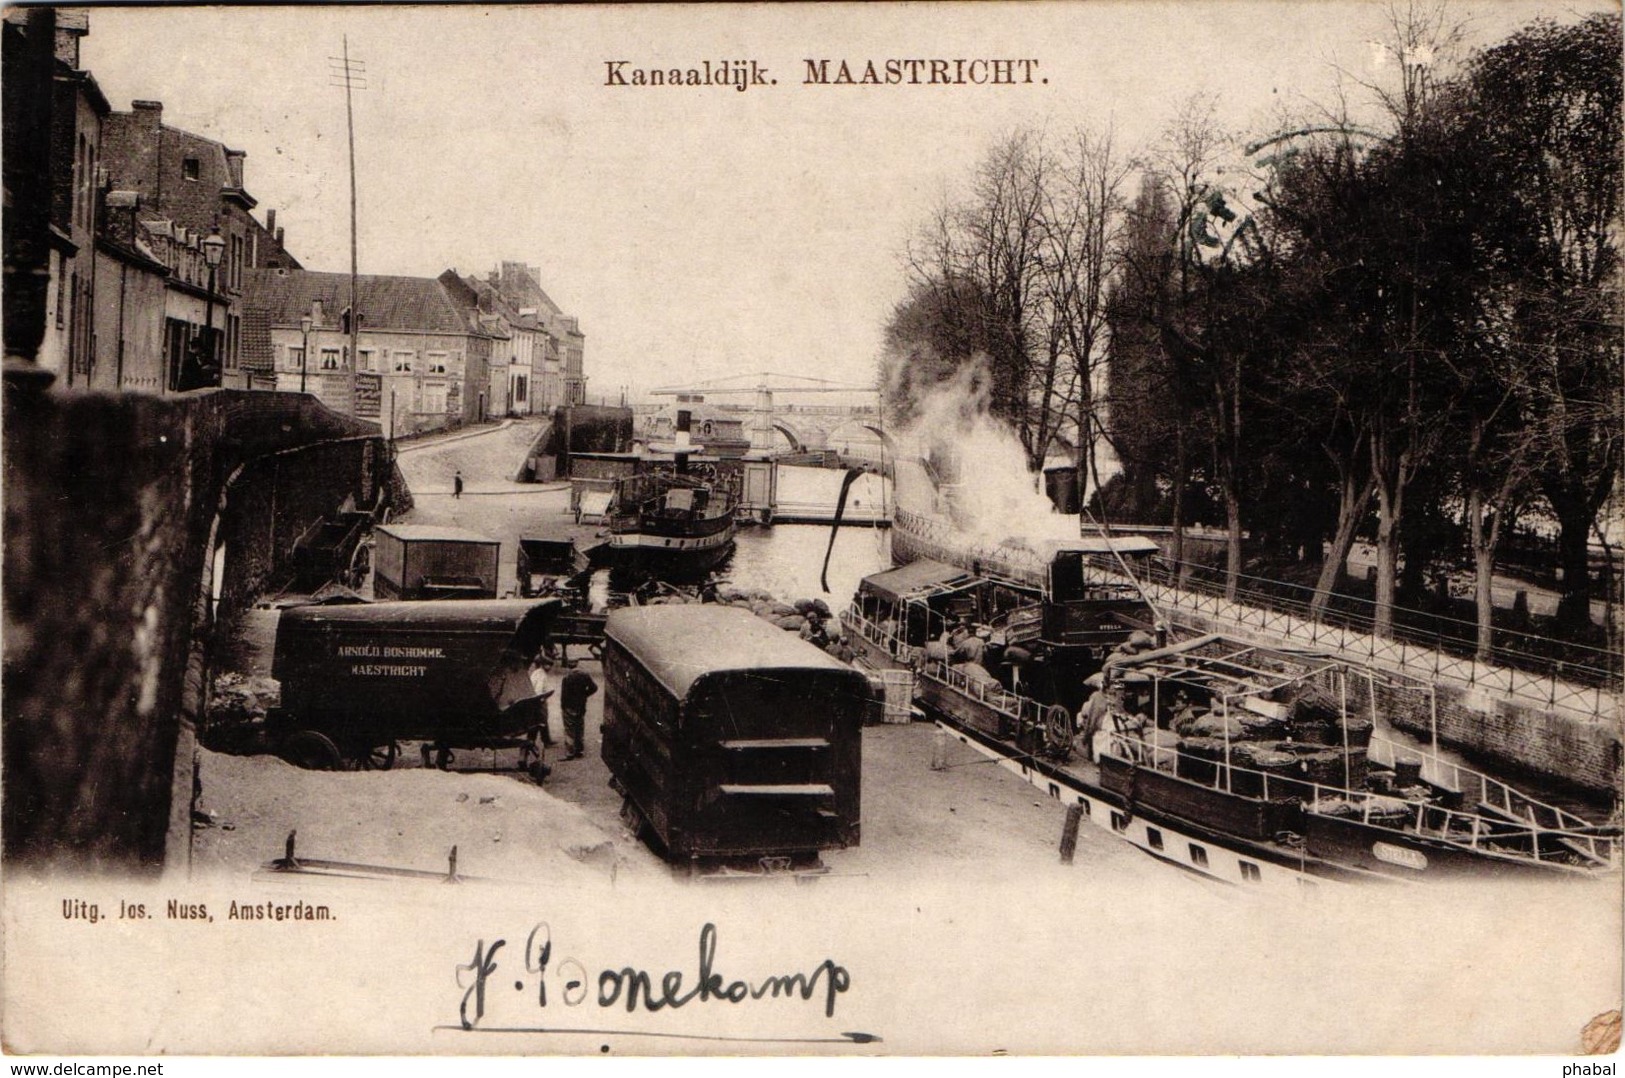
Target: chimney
{"points": [[234, 166], [278, 236], [270, 221], [71, 25]]}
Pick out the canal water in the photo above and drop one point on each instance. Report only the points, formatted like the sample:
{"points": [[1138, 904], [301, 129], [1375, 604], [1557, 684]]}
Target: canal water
{"points": [[787, 562]]}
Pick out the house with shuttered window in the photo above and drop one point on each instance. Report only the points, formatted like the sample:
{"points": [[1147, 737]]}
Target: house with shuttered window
{"points": [[421, 356]]}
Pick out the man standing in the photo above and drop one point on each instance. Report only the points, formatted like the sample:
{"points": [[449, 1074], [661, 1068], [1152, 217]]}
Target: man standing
{"points": [[577, 686], [457, 485]]}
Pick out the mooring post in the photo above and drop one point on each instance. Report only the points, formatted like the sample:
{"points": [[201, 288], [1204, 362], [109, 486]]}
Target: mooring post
{"points": [[1069, 833], [939, 751]]}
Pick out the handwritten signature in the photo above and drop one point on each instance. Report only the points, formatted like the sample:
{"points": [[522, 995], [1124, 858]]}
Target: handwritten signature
{"points": [[628, 986]]}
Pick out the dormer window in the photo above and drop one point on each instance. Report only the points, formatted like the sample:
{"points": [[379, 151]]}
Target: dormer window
{"points": [[189, 168]]}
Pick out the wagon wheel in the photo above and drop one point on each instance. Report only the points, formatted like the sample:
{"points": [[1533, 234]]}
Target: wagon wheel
{"points": [[533, 756], [360, 566], [313, 751], [379, 757], [1058, 731], [639, 825]]}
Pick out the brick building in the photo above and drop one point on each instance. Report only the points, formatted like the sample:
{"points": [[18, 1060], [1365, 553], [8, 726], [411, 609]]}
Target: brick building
{"points": [[422, 355], [77, 112], [110, 215], [524, 367], [557, 365], [188, 187]]}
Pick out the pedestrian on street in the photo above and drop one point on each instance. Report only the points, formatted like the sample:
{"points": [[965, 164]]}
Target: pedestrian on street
{"points": [[457, 485], [577, 686]]}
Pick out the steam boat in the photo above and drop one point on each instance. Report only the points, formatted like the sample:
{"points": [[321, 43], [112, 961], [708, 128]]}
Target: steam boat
{"points": [[671, 524], [1259, 766]]}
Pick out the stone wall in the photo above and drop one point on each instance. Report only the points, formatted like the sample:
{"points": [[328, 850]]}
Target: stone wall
{"points": [[110, 503], [591, 429], [1563, 732]]}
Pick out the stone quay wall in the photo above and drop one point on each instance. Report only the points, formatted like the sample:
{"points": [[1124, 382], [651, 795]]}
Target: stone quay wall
{"points": [[113, 505], [1570, 733]]}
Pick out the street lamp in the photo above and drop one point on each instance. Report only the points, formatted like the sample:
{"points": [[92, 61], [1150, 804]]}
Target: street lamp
{"points": [[213, 248], [304, 356]]}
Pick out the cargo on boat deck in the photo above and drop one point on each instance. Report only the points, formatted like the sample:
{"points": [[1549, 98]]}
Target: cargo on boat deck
{"points": [[356, 677], [731, 738]]}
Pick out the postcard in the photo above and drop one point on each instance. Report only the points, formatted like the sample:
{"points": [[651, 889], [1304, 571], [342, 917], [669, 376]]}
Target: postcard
{"points": [[896, 529]]}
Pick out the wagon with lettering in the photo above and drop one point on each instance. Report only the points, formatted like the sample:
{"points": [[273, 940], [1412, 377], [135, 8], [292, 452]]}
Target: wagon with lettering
{"points": [[359, 679], [737, 746]]}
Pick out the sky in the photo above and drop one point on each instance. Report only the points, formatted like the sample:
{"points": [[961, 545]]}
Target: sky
{"points": [[697, 232]]}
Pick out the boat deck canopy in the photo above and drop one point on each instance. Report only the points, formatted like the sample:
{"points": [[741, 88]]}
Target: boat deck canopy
{"points": [[1127, 545], [1226, 665], [916, 578]]}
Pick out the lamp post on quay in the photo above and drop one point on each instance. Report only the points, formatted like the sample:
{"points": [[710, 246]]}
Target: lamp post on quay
{"points": [[213, 248], [304, 355]]}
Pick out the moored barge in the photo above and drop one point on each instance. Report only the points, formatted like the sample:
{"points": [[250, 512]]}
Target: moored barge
{"points": [[1253, 765]]}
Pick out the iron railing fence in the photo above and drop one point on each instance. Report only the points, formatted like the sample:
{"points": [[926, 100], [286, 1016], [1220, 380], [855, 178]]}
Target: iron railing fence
{"points": [[1456, 637]]}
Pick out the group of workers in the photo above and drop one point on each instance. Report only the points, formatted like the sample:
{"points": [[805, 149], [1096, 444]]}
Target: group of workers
{"points": [[1131, 716], [530, 683], [822, 630]]}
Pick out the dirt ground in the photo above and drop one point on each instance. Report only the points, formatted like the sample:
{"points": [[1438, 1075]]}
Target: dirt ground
{"points": [[965, 820]]}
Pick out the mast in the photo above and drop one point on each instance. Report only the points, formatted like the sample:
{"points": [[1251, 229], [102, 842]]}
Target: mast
{"points": [[349, 121], [353, 74]]}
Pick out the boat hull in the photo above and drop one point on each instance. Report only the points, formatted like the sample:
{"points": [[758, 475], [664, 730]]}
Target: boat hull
{"points": [[1271, 867], [668, 562], [1404, 855], [670, 550]]}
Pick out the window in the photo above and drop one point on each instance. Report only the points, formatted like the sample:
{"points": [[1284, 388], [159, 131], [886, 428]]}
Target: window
{"points": [[437, 362], [519, 390], [1198, 856], [1085, 805], [330, 360], [1119, 821], [295, 360], [1154, 837], [369, 359], [73, 307], [403, 362], [434, 399], [189, 169], [1250, 873]]}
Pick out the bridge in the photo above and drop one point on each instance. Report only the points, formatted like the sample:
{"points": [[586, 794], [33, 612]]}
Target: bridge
{"points": [[853, 426]]}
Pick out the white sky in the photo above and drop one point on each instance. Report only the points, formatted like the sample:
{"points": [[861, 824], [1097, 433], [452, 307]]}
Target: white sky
{"points": [[697, 232]]}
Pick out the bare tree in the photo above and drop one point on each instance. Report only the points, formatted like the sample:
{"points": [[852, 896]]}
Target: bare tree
{"points": [[1545, 130], [1082, 222]]}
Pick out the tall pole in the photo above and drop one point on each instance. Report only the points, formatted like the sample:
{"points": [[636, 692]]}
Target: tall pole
{"points": [[208, 315], [353, 74], [349, 119]]}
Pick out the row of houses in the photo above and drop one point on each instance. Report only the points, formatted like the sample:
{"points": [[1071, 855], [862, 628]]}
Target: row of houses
{"points": [[428, 351], [136, 263]]}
